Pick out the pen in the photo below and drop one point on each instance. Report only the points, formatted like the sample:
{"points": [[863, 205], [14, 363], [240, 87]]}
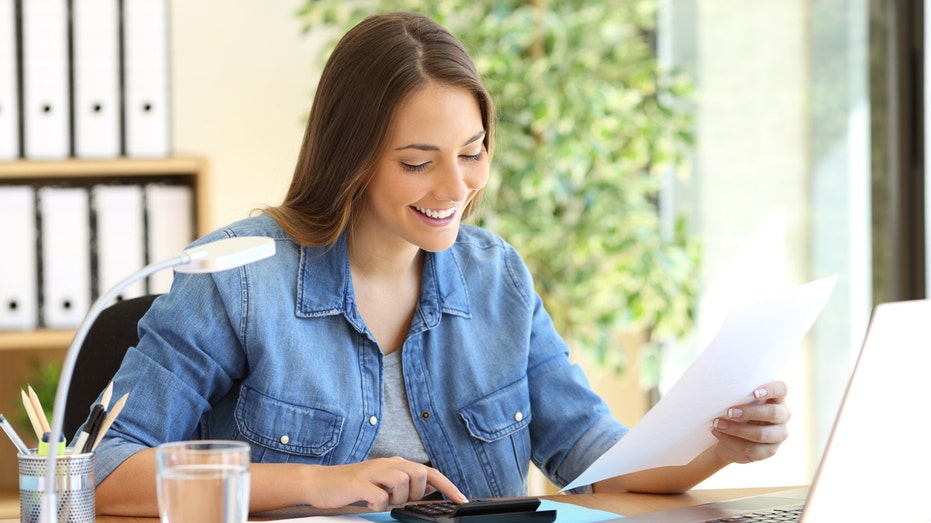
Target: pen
{"points": [[14, 437], [91, 428]]}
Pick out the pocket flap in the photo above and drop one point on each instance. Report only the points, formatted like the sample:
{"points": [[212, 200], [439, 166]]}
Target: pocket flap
{"points": [[500, 413], [287, 427]]}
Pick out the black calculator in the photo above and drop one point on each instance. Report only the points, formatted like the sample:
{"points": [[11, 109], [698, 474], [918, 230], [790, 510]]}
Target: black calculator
{"points": [[517, 510]]}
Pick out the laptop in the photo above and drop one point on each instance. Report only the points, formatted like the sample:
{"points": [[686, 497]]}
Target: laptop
{"points": [[877, 463]]}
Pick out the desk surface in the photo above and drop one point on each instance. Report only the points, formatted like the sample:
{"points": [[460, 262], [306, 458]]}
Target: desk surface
{"points": [[625, 504]]}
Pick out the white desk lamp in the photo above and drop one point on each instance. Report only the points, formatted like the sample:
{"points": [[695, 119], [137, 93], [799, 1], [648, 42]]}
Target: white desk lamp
{"points": [[215, 256]]}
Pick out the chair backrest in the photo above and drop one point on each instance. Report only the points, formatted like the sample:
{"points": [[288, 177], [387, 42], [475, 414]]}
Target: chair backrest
{"points": [[109, 337]]}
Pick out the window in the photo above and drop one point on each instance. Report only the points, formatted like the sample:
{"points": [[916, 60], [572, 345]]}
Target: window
{"points": [[800, 108]]}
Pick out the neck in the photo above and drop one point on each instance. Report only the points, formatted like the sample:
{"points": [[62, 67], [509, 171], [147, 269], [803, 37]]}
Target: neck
{"points": [[375, 259]]}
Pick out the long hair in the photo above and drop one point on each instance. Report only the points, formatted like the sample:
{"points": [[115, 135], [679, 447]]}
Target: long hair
{"points": [[373, 69]]}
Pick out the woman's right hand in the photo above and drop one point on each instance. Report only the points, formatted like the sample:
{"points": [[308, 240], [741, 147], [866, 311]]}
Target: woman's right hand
{"points": [[378, 482]]}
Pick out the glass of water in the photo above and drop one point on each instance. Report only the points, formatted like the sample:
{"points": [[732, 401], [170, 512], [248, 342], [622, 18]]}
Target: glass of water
{"points": [[203, 481]]}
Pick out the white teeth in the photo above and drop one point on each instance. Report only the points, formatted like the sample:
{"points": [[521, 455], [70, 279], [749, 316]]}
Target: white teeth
{"points": [[437, 214]]}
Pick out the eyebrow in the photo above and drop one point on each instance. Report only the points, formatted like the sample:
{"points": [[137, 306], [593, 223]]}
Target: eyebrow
{"points": [[427, 147]]}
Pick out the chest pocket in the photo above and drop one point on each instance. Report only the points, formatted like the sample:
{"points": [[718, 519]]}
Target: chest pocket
{"points": [[284, 431], [498, 425]]}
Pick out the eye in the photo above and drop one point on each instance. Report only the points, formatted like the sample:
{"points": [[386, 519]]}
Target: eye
{"points": [[414, 167], [474, 157]]}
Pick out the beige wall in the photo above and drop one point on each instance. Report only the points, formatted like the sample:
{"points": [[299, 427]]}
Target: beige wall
{"points": [[242, 79]]}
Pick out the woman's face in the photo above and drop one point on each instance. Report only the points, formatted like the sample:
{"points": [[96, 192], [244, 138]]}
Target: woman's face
{"points": [[434, 164]]}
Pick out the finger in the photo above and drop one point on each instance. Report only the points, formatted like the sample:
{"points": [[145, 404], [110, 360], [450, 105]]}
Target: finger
{"points": [[375, 498], [417, 482], [775, 391], [441, 483], [738, 450], [766, 413], [400, 492], [751, 432]]}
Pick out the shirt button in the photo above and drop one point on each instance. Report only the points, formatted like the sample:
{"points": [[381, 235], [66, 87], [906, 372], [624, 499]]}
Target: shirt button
{"points": [[425, 414], [518, 416], [373, 420], [284, 439]]}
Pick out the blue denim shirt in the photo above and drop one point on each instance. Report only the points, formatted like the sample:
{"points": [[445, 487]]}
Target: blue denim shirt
{"points": [[276, 354]]}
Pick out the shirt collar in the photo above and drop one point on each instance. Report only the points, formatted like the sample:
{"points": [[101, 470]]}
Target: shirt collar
{"points": [[324, 285]]}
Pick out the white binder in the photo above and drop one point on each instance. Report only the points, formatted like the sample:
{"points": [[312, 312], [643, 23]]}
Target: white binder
{"points": [[170, 213], [119, 216], [145, 44], [66, 252], [9, 85], [19, 292], [46, 107], [96, 70]]}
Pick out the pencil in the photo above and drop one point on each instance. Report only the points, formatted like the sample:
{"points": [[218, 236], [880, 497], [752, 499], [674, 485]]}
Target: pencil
{"points": [[33, 419], [111, 417], [40, 412]]}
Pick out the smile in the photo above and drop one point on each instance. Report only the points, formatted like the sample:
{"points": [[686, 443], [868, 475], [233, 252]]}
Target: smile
{"points": [[437, 214]]}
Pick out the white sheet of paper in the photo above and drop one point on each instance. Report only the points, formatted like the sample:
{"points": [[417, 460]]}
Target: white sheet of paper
{"points": [[753, 344]]}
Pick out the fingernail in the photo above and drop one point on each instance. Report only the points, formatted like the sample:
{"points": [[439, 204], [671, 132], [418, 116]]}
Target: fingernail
{"points": [[719, 423], [760, 393], [734, 413]]}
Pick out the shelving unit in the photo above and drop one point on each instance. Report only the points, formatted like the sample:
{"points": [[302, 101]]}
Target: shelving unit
{"points": [[18, 349]]}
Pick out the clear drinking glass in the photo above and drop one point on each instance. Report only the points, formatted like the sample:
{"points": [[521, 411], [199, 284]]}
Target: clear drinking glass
{"points": [[203, 481]]}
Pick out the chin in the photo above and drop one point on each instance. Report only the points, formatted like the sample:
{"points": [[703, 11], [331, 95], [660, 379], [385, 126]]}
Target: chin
{"points": [[437, 244]]}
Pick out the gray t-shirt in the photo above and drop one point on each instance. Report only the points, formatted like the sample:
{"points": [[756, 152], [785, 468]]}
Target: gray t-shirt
{"points": [[397, 435]]}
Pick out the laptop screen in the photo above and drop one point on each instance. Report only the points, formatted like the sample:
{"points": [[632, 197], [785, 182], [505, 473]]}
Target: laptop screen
{"points": [[877, 464]]}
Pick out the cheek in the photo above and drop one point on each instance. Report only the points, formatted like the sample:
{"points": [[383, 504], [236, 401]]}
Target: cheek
{"points": [[477, 178]]}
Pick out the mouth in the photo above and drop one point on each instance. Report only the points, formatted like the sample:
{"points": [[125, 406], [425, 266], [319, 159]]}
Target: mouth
{"points": [[436, 214]]}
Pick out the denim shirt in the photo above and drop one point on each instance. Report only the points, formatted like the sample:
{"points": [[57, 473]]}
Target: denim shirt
{"points": [[276, 354]]}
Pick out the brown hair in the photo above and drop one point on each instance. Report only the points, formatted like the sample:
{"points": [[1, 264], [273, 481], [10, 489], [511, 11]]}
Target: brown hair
{"points": [[373, 69]]}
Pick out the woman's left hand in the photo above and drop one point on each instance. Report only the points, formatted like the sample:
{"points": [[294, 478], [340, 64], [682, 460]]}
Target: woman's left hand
{"points": [[753, 431]]}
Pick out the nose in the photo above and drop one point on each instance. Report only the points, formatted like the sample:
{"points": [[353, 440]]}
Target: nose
{"points": [[451, 185]]}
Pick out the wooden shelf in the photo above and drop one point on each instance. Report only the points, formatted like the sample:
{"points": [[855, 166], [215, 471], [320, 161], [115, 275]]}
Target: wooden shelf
{"points": [[78, 168], [35, 340], [117, 168]]}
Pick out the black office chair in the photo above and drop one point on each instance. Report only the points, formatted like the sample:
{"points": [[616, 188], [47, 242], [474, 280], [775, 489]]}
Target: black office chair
{"points": [[112, 333]]}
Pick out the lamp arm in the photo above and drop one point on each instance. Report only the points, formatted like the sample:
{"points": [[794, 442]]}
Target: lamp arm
{"points": [[67, 370]]}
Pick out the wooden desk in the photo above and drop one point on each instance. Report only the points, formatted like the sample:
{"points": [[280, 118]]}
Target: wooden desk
{"points": [[624, 504]]}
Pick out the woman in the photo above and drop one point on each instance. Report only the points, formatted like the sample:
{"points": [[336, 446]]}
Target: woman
{"points": [[386, 352]]}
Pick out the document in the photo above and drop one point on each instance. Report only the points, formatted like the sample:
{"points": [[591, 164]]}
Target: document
{"points": [[9, 83], [19, 291], [120, 221], [66, 255], [170, 217], [750, 349], [145, 44], [96, 69], [46, 106]]}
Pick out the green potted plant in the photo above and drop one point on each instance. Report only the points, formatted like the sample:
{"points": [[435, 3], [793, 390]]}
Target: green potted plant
{"points": [[587, 126]]}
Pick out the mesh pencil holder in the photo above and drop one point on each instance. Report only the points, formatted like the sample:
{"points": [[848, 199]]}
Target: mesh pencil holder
{"points": [[74, 487]]}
